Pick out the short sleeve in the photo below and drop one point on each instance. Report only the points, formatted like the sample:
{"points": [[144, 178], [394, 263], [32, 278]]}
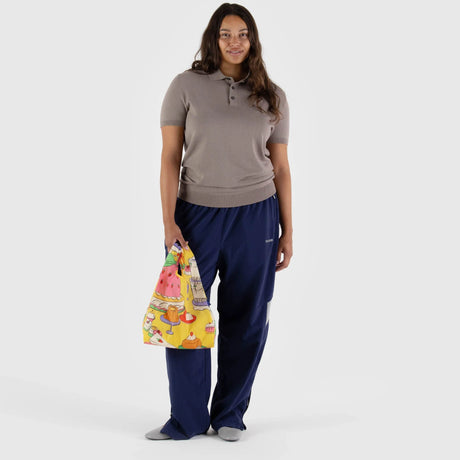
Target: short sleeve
{"points": [[280, 132], [173, 108]]}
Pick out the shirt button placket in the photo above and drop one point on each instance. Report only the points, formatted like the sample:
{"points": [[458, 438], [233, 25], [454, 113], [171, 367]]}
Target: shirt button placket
{"points": [[232, 87]]}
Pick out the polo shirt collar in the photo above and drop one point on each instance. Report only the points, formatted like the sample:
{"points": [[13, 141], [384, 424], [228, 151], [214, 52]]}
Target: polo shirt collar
{"points": [[218, 75]]}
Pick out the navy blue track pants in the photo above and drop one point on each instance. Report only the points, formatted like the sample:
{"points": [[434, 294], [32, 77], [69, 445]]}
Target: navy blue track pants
{"points": [[240, 243]]}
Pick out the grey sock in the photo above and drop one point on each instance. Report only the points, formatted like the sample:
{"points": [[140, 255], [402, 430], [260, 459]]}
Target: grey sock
{"points": [[156, 434], [229, 433]]}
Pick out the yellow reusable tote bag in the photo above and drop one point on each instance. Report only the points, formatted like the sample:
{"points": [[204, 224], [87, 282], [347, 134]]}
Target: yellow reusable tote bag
{"points": [[179, 315]]}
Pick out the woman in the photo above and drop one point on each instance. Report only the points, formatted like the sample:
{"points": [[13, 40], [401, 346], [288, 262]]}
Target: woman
{"points": [[235, 191]]}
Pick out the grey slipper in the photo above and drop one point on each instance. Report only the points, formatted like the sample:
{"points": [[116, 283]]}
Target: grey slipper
{"points": [[156, 434], [229, 433]]}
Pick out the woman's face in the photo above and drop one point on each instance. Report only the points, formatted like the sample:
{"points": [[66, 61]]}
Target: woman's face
{"points": [[233, 40]]}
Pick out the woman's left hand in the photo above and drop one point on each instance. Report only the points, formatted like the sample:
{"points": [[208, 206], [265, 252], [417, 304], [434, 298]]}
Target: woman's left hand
{"points": [[284, 247]]}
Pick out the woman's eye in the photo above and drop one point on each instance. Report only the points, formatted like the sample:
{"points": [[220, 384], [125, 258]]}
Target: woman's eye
{"points": [[244, 35]]}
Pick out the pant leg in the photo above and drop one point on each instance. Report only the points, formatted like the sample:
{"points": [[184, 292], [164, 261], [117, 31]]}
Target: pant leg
{"points": [[189, 371], [246, 267]]}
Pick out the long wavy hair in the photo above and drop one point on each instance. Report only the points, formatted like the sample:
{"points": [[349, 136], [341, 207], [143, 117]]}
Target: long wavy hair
{"points": [[259, 83]]}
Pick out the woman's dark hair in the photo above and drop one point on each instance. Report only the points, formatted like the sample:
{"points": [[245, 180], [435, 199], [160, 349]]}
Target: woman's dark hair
{"points": [[259, 83]]}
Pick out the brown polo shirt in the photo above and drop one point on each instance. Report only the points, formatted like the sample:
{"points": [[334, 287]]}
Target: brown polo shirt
{"points": [[226, 161]]}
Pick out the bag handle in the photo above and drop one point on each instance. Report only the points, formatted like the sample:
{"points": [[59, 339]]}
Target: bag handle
{"points": [[180, 259]]}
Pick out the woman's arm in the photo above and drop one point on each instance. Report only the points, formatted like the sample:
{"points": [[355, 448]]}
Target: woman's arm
{"points": [[279, 159], [171, 157]]}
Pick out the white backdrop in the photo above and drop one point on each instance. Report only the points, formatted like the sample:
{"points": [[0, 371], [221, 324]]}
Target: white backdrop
{"points": [[369, 366]]}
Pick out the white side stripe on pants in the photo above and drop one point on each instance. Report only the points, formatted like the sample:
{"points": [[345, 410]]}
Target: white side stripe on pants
{"points": [[268, 310]]}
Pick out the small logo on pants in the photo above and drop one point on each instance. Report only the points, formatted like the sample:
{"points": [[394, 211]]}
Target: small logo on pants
{"points": [[269, 241]]}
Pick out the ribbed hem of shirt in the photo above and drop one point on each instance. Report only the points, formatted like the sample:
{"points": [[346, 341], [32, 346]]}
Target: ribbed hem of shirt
{"points": [[215, 196]]}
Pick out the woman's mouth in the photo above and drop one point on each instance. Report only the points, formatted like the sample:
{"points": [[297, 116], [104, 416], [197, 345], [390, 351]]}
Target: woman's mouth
{"points": [[235, 53]]}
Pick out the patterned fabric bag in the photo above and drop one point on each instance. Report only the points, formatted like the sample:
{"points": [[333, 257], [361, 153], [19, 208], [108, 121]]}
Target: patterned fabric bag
{"points": [[179, 315]]}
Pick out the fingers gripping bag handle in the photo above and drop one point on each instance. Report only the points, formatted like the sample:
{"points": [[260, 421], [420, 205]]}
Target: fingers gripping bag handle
{"points": [[179, 315]]}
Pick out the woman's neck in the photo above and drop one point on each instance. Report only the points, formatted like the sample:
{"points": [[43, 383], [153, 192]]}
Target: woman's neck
{"points": [[234, 71]]}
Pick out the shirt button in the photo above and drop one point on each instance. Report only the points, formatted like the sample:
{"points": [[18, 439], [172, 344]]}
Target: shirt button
{"points": [[233, 87], [232, 97]]}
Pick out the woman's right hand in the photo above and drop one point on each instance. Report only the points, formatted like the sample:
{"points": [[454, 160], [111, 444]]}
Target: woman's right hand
{"points": [[172, 234]]}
